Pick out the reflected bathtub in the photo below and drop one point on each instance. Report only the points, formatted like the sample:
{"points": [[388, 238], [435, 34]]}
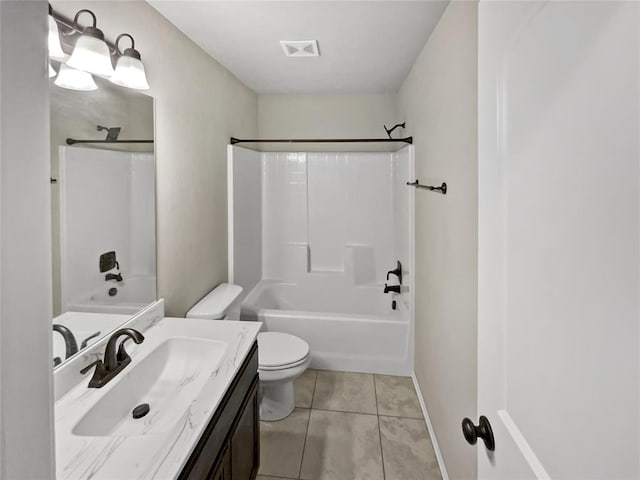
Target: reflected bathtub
{"points": [[348, 329], [133, 294]]}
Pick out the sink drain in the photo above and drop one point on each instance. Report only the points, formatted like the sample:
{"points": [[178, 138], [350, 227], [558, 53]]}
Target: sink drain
{"points": [[141, 410]]}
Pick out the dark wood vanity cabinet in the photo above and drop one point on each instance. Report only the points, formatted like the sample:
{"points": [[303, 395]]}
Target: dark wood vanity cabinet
{"points": [[229, 449], [222, 468]]}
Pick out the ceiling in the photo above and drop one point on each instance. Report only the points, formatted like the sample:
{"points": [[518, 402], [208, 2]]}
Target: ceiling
{"points": [[365, 46]]}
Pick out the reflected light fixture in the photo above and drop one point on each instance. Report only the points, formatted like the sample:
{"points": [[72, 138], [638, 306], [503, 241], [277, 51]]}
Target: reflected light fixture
{"points": [[91, 52], [129, 70], [52, 72], [75, 79], [55, 48]]}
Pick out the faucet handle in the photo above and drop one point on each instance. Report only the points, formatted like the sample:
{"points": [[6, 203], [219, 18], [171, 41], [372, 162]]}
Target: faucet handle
{"points": [[97, 363]]}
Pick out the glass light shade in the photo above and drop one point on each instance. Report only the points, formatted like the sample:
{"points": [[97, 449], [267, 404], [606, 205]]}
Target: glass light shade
{"points": [[52, 72], [55, 49], [130, 73], [75, 79], [91, 54]]}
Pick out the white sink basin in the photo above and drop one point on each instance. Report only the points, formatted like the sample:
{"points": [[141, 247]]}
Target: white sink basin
{"points": [[169, 379]]}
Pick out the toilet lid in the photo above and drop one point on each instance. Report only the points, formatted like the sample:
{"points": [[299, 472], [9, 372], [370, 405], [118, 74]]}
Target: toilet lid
{"points": [[277, 349]]}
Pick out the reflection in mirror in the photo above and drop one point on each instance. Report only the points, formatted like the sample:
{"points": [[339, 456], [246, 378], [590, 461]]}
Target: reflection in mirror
{"points": [[103, 211]]}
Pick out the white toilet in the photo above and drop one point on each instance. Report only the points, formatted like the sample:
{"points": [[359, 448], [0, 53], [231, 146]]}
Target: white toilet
{"points": [[281, 357]]}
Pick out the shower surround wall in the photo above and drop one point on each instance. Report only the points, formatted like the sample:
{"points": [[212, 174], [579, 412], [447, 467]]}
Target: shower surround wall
{"points": [[334, 204], [327, 227], [107, 203]]}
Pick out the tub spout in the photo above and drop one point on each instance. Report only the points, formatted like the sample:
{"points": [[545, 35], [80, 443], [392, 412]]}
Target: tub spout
{"points": [[391, 288]]}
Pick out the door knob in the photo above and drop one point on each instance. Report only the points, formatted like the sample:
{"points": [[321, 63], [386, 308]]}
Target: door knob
{"points": [[482, 430]]}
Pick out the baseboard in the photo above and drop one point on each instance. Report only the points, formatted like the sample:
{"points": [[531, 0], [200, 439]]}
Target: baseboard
{"points": [[434, 441]]}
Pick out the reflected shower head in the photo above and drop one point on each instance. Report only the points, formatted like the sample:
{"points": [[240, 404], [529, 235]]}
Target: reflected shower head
{"points": [[112, 132]]}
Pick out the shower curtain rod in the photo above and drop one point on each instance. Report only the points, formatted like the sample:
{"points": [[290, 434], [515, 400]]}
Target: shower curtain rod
{"points": [[71, 141], [235, 140]]}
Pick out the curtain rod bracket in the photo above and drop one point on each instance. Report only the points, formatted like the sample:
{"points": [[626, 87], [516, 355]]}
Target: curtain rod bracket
{"points": [[390, 130]]}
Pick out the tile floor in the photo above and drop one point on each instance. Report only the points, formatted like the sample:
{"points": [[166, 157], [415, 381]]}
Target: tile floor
{"points": [[349, 426]]}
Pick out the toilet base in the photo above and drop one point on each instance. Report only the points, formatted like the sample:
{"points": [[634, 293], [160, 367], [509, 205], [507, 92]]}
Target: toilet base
{"points": [[277, 400]]}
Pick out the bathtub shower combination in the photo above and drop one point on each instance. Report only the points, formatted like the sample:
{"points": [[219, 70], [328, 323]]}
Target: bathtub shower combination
{"points": [[312, 237]]}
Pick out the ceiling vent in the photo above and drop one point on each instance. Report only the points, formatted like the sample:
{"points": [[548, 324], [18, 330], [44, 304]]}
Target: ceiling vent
{"points": [[300, 48]]}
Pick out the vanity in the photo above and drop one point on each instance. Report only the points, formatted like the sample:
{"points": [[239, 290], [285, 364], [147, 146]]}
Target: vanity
{"points": [[200, 382], [230, 446], [183, 402]]}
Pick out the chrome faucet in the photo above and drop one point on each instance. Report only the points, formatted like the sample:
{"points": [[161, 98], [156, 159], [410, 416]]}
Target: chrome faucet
{"points": [[70, 344], [114, 360]]}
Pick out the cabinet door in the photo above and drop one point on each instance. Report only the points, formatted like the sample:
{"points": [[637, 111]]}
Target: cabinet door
{"points": [[245, 438], [222, 470]]}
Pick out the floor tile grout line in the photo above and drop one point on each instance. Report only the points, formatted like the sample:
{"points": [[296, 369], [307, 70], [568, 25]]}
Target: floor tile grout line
{"points": [[278, 476], [341, 411], [396, 416], [375, 393], [401, 416], [306, 434]]}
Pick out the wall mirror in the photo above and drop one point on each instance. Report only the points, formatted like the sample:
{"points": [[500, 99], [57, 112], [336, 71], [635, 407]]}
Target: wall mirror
{"points": [[103, 211]]}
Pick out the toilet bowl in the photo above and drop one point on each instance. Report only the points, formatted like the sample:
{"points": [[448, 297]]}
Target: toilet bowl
{"points": [[281, 357]]}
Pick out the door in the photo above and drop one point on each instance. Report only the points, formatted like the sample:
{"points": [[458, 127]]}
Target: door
{"points": [[558, 247]]}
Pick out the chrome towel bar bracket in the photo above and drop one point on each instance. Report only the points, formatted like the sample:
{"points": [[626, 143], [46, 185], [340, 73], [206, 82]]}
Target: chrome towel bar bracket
{"points": [[442, 188]]}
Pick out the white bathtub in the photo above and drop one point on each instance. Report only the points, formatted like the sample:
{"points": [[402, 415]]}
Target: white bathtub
{"points": [[348, 329], [134, 293]]}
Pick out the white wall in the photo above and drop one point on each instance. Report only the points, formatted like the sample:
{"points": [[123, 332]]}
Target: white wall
{"points": [[108, 203], [245, 217], [326, 116], [439, 101], [26, 398], [199, 105]]}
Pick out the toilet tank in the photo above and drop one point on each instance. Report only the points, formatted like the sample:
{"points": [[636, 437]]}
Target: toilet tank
{"points": [[215, 305]]}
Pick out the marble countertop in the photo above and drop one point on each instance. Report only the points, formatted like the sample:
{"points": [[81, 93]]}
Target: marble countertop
{"points": [[158, 455]]}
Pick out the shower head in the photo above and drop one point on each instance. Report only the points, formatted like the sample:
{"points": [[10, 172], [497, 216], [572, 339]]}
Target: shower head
{"points": [[112, 132]]}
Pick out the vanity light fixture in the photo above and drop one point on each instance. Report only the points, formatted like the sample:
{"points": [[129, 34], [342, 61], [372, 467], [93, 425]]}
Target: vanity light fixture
{"points": [[91, 52], [55, 48], [75, 79], [129, 68]]}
